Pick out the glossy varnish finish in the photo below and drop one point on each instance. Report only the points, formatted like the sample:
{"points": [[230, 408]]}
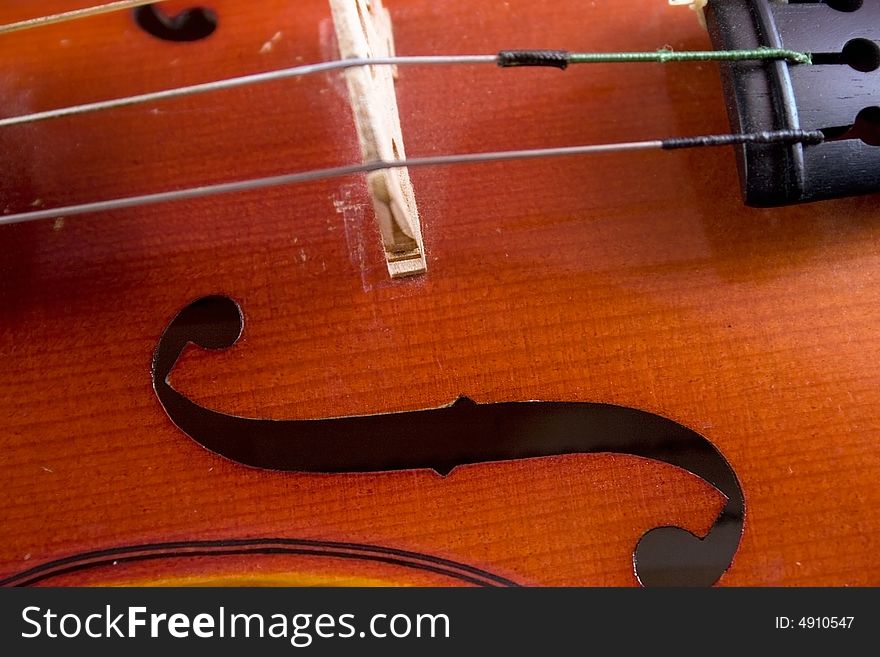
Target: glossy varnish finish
{"points": [[639, 280]]}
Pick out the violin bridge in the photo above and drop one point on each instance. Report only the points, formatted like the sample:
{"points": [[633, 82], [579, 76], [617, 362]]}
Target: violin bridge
{"points": [[363, 30], [697, 6]]}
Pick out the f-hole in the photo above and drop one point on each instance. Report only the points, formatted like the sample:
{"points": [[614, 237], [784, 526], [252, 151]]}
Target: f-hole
{"points": [[866, 127], [189, 25]]}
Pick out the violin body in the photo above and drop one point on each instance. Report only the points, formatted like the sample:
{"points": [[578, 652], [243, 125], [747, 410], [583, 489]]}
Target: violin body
{"points": [[637, 280]]}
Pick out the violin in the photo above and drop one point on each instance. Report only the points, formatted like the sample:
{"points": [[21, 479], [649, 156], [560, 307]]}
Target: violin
{"points": [[606, 325]]}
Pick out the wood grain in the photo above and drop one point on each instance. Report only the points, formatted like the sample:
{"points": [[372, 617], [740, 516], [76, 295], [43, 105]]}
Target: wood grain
{"points": [[638, 280]]}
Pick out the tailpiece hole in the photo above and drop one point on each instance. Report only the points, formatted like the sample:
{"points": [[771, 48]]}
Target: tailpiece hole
{"points": [[866, 127], [860, 54], [845, 5]]}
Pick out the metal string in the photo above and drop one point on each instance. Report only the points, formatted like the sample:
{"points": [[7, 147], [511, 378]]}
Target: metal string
{"points": [[511, 58], [773, 137], [244, 80], [75, 14], [505, 59]]}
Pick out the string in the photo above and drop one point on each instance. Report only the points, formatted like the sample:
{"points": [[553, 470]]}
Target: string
{"points": [[779, 137], [562, 58], [504, 59], [75, 14], [245, 80], [666, 55]]}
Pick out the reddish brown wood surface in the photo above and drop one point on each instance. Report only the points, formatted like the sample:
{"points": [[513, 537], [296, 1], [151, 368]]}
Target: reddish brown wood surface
{"points": [[639, 280]]}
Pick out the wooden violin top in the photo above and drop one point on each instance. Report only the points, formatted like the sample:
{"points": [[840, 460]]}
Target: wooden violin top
{"points": [[639, 280]]}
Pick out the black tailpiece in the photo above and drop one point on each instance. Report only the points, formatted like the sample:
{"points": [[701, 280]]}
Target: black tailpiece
{"points": [[838, 94]]}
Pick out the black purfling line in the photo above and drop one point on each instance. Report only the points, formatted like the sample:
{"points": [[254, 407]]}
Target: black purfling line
{"points": [[47, 571], [264, 552], [179, 546]]}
